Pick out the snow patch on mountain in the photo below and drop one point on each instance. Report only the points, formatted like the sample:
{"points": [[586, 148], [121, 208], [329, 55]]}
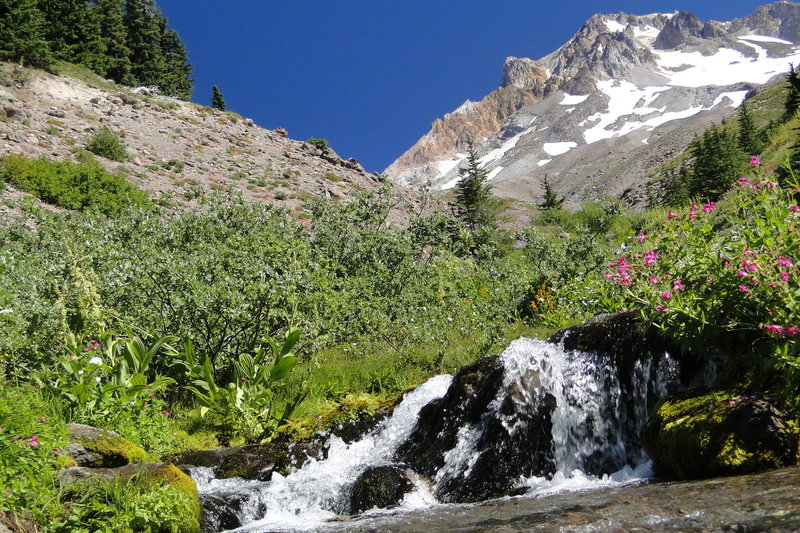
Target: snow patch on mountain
{"points": [[559, 148], [726, 67], [614, 26]]}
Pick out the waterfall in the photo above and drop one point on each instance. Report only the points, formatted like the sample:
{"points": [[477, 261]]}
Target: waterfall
{"points": [[594, 416]]}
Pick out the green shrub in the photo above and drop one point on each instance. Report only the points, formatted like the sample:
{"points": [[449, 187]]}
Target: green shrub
{"points": [[72, 185], [107, 144], [319, 143]]}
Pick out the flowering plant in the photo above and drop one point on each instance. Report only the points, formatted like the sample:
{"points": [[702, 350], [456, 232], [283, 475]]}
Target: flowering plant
{"points": [[722, 268]]}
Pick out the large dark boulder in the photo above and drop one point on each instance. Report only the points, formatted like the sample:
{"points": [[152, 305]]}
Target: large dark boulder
{"points": [[379, 486], [502, 454], [705, 434], [94, 447], [257, 461]]}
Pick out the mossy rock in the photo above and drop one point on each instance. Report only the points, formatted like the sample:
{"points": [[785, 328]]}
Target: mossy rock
{"points": [[707, 434], [151, 477], [94, 447]]}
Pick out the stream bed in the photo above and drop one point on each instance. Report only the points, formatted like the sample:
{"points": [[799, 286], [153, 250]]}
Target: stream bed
{"points": [[768, 501]]}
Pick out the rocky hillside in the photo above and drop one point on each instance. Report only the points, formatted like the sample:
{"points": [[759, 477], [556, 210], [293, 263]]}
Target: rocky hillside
{"points": [[622, 96], [177, 151]]}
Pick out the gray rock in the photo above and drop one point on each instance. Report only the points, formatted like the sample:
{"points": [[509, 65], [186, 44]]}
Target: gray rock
{"points": [[5, 95], [15, 113]]}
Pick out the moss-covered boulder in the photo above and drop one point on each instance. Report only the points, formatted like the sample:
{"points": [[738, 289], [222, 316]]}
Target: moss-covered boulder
{"points": [[149, 477], [94, 447], [697, 435]]}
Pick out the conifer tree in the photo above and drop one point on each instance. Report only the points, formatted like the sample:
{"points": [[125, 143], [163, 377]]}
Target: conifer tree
{"points": [[750, 139], [143, 28], [73, 31], [550, 199], [717, 163], [217, 100], [116, 62], [22, 34], [175, 80], [473, 194], [793, 98]]}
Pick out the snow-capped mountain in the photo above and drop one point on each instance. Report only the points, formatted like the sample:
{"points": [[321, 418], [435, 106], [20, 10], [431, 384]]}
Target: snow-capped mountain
{"points": [[621, 96]]}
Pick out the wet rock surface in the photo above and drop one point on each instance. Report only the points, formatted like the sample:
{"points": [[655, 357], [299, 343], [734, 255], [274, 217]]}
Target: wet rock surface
{"points": [[380, 486], [501, 455], [256, 462], [769, 501], [696, 435]]}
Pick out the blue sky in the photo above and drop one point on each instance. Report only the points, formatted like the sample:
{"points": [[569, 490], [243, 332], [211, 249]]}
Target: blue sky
{"points": [[371, 75]]}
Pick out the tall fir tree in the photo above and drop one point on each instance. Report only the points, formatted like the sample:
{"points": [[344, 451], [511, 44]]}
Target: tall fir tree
{"points": [[143, 27], [473, 194], [217, 100], [792, 103], [73, 31], [22, 34], [116, 62], [175, 79], [717, 163], [750, 138]]}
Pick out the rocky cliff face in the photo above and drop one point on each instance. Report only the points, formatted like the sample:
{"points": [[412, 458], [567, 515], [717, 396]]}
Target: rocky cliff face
{"points": [[615, 101]]}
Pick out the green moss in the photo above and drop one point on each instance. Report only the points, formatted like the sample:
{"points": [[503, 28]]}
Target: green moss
{"points": [[718, 433], [115, 451], [351, 407], [169, 475]]}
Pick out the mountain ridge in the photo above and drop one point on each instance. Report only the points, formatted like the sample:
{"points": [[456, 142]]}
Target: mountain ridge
{"points": [[624, 92]]}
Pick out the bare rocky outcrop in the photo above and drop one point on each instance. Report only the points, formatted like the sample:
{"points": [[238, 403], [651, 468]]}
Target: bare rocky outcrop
{"points": [[178, 151]]}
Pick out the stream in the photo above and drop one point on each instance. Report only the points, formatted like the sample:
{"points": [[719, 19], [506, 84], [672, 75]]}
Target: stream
{"points": [[590, 475]]}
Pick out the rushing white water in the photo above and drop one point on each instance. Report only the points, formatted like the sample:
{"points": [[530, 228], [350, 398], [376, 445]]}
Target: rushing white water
{"points": [[304, 499], [593, 430]]}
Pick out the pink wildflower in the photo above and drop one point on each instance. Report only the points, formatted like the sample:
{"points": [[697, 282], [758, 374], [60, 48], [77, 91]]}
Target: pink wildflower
{"points": [[790, 331], [42, 420], [677, 285], [642, 237], [743, 181], [793, 208], [784, 276], [784, 262], [671, 215], [666, 295], [743, 288], [773, 283], [775, 330], [660, 309], [653, 280], [754, 161], [707, 208], [33, 442], [741, 273], [650, 257]]}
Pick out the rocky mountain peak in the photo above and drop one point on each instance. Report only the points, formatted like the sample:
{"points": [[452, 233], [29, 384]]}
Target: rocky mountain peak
{"points": [[679, 29], [524, 73], [781, 19]]}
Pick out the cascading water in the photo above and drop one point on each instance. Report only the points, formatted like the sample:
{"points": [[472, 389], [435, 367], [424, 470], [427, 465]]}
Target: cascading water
{"points": [[593, 417]]}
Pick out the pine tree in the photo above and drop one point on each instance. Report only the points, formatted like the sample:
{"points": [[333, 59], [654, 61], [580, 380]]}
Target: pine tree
{"points": [[73, 30], [550, 199], [217, 100], [473, 194], [750, 139], [22, 34], [143, 23], [116, 62], [717, 163], [175, 80], [793, 98]]}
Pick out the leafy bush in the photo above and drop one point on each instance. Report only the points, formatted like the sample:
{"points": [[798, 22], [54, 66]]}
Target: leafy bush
{"points": [[248, 406], [107, 144], [319, 143], [72, 185]]}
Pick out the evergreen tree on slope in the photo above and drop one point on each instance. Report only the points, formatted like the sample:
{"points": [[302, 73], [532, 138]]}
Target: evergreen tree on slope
{"points": [[22, 35], [473, 194]]}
